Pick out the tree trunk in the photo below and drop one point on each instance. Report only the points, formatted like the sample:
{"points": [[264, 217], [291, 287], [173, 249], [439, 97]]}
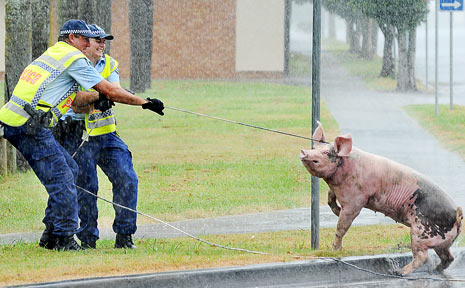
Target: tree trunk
{"points": [[87, 11], [66, 10], [141, 29], [367, 47], [387, 70], [104, 12], [41, 27], [374, 36], [3, 159], [148, 42], [355, 43], [354, 37], [412, 38], [18, 55], [402, 75]]}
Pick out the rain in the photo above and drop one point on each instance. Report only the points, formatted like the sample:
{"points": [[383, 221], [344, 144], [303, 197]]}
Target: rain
{"points": [[236, 82]]}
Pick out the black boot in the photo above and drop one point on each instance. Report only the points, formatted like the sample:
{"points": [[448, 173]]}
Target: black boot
{"points": [[124, 241], [88, 245], [65, 243], [47, 240]]}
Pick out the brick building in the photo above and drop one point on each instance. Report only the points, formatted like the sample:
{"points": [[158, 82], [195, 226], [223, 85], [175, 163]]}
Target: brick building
{"points": [[203, 39]]}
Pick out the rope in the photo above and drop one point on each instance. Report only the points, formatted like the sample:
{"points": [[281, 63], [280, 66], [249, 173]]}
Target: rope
{"points": [[245, 124], [175, 228]]}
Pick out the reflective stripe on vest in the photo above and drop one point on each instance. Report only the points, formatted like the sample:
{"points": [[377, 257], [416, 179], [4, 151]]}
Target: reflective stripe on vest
{"points": [[98, 122], [33, 82]]}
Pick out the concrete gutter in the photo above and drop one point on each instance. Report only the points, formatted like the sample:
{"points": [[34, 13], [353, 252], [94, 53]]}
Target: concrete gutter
{"points": [[309, 272]]}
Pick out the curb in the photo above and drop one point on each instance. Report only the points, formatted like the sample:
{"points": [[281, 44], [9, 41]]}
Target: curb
{"points": [[310, 272]]}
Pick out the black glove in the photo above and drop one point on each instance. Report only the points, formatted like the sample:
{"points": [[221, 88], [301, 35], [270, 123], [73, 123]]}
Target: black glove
{"points": [[155, 105], [103, 103]]}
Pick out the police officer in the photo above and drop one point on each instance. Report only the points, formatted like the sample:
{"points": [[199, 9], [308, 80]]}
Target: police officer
{"points": [[45, 91], [107, 150]]}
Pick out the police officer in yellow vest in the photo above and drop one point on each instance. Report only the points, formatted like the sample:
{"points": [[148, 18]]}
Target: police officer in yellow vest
{"points": [[45, 91], [107, 150]]}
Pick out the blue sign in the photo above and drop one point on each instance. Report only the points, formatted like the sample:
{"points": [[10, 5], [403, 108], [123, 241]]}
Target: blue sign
{"points": [[451, 5]]}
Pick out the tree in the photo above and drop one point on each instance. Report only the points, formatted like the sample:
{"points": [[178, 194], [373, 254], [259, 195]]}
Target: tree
{"points": [[66, 10], [405, 16], [141, 29], [347, 10], [104, 12], [17, 53], [41, 27], [411, 14], [97, 12], [87, 11]]}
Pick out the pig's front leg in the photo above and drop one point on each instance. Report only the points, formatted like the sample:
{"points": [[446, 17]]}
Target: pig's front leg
{"points": [[346, 217], [332, 203]]}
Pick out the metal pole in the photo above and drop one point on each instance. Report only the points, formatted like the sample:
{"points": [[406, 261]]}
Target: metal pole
{"points": [[451, 70], [316, 49], [436, 59]]}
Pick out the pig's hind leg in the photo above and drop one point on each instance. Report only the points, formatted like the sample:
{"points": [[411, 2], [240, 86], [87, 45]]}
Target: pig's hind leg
{"points": [[446, 258], [419, 251], [419, 259]]}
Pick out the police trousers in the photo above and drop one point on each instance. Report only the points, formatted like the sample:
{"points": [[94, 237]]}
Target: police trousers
{"points": [[56, 170], [112, 155]]}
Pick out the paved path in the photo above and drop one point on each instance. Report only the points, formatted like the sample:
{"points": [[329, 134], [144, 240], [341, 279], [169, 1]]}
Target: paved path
{"points": [[378, 124]]}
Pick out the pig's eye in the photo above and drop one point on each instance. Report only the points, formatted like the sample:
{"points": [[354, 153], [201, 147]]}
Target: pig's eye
{"points": [[326, 153]]}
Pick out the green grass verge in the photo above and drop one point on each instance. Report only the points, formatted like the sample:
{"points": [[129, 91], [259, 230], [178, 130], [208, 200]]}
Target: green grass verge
{"points": [[190, 166], [368, 70], [26, 263], [447, 127]]}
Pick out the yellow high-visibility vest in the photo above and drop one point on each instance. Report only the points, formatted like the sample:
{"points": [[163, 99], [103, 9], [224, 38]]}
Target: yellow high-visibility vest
{"points": [[98, 122], [33, 82]]}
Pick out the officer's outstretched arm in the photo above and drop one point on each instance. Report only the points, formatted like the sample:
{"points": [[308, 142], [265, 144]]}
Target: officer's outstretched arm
{"points": [[118, 94], [83, 101]]}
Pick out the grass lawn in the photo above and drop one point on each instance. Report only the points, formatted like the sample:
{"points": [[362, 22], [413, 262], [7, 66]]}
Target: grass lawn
{"points": [[26, 263], [368, 70], [190, 166], [448, 127]]}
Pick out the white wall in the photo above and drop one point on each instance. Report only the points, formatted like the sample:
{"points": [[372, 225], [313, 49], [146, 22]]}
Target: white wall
{"points": [[260, 35]]}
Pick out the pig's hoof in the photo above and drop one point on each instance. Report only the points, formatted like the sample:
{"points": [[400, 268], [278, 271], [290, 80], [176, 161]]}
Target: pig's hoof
{"points": [[397, 272]]}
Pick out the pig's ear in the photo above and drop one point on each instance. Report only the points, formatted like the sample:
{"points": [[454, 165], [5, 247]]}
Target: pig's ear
{"points": [[319, 134], [343, 145]]}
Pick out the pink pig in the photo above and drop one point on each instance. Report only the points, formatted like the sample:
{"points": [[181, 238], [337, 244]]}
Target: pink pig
{"points": [[358, 179]]}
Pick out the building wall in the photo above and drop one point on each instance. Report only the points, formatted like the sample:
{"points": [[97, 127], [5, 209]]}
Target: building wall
{"points": [[119, 48], [260, 36], [199, 39], [194, 39], [191, 39]]}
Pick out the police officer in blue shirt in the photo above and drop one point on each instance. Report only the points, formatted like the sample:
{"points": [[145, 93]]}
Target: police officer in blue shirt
{"points": [[45, 91], [104, 148]]}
